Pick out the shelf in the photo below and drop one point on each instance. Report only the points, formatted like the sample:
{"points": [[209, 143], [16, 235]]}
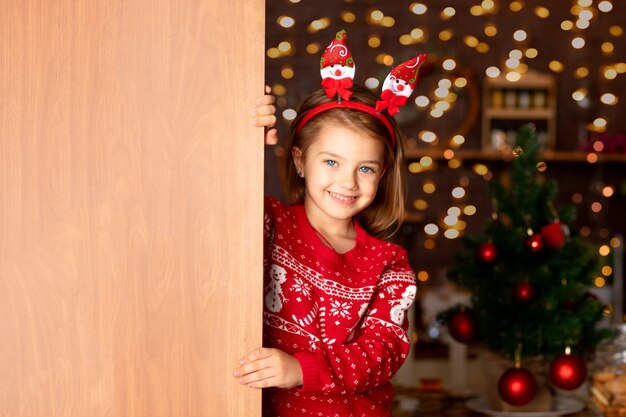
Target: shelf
{"points": [[548, 156], [522, 114], [508, 104]]}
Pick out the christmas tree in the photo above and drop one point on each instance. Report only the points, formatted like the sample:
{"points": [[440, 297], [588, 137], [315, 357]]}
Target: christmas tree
{"points": [[529, 279]]}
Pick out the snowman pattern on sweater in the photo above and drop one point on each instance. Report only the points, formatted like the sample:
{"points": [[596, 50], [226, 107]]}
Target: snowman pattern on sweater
{"points": [[274, 297], [398, 311]]}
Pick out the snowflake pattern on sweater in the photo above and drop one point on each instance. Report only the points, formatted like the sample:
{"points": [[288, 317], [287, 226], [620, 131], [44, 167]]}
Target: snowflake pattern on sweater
{"points": [[343, 316]]}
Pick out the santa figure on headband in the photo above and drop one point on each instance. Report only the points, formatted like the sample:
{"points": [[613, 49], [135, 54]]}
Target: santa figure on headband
{"points": [[337, 67], [399, 85]]}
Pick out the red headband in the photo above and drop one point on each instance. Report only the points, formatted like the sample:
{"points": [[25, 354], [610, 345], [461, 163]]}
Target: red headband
{"points": [[345, 104], [337, 70]]}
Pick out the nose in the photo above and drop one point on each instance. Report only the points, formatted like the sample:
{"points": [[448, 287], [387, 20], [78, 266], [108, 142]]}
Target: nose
{"points": [[347, 180], [400, 87], [337, 72]]}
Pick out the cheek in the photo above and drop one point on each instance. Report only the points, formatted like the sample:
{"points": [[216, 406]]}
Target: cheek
{"points": [[371, 184]]}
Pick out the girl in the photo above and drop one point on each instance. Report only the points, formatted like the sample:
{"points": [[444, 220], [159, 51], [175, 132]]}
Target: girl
{"points": [[336, 295]]}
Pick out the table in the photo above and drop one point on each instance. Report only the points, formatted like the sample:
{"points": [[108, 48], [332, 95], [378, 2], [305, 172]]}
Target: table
{"points": [[446, 406]]}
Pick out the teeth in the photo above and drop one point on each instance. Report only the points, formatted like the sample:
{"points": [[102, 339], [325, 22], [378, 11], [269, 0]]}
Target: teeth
{"points": [[342, 197]]}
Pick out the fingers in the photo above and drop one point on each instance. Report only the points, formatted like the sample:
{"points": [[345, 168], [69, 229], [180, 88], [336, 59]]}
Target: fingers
{"points": [[268, 89], [255, 355], [265, 121], [260, 378], [264, 113], [256, 369], [267, 100], [271, 137]]}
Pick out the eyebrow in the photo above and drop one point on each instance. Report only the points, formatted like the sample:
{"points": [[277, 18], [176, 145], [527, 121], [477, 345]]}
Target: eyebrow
{"points": [[334, 155]]}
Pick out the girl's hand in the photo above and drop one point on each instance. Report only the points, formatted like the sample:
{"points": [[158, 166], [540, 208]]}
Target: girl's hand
{"points": [[265, 367], [264, 116]]}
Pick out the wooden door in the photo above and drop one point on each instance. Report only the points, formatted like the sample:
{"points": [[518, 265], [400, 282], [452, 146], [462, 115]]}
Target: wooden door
{"points": [[130, 206]]}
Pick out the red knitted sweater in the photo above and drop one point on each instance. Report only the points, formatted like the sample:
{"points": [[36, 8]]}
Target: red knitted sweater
{"points": [[343, 316]]}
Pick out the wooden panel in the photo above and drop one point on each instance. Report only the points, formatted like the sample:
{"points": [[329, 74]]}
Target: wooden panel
{"points": [[130, 206]]}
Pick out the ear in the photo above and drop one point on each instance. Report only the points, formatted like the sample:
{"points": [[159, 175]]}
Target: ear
{"points": [[296, 154]]}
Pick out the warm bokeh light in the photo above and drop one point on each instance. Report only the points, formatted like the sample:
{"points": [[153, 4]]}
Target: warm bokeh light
{"points": [[318, 25], [581, 72], [493, 72], [420, 204], [451, 233], [520, 35], [427, 136], [457, 140], [372, 83], [431, 229], [469, 210], [608, 191], [429, 187], [578, 42], [471, 41], [373, 41], [446, 35], [289, 114], [596, 207], [609, 99], [616, 31], [490, 30], [610, 73], [458, 192], [287, 72], [422, 101], [313, 48], [480, 169], [542, 12], [286, 21], [556, 66], [418, 8], [454, 163], [605, 6], [579, 94], [531, 53], [348, 17], [513, 76], [447, 13], [604, 250]]}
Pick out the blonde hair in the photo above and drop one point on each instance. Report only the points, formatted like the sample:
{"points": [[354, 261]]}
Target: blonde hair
{"points": [[383, 216]]}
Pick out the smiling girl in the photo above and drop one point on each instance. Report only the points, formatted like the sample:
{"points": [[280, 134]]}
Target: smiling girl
{"points": [[336, 293]]}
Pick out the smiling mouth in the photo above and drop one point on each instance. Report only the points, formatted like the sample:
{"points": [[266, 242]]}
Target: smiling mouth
{"points": [[344, 199]]}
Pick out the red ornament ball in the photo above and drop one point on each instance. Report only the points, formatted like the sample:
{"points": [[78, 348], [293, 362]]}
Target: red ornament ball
{"points": [[553, 235], [487, 252], [517, 386], [462, 327], [535, 243], [568, 372], [524, 292]]}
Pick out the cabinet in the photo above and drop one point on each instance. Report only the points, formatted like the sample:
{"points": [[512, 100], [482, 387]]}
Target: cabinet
{"points": [[508, 105]]}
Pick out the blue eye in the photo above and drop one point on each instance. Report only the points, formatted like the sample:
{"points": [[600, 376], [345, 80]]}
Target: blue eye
{"points": [[366, 170], [330, 163]]}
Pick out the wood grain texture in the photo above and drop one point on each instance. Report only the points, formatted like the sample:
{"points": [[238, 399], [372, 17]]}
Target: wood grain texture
{"points": [[130, 206]]}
